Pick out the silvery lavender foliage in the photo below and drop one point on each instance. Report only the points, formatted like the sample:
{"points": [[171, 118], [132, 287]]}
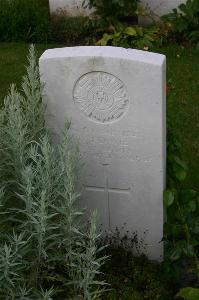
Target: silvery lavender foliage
{"points": [[87, 263], [22, 122], [38, 199]]}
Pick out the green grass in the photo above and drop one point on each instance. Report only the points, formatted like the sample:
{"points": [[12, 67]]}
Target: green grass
{"points": [[182, 100], [12, 64], [183, 105]]}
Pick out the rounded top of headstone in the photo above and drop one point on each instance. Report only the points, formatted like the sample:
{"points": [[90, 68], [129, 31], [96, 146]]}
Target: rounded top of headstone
{"points": [[105, 51]]}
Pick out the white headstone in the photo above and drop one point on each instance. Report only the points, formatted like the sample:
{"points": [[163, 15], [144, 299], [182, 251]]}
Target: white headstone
{"points": [[115, 99]]}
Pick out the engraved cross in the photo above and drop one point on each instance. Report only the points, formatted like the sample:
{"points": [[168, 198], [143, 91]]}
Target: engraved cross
{"points": [[107, 190]]}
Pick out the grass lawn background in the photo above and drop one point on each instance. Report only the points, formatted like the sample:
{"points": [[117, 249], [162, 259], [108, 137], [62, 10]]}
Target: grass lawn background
{"points": [[182, 99]]}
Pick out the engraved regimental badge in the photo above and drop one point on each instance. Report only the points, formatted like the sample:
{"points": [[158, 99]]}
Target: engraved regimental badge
{"points": [[101, 96]]}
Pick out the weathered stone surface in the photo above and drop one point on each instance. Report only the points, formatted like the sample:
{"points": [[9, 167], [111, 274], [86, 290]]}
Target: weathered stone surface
{"points": [[115, 99]]}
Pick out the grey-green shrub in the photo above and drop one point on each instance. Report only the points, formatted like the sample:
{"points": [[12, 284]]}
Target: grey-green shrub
{"points": [[44, 253]]}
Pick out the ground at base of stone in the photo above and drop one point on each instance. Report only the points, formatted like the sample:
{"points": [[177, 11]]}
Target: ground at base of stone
{"points": [[136, 278]]}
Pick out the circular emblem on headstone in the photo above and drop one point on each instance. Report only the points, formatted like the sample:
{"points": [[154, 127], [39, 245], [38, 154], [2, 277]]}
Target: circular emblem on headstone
{"points": [[101, 96]]}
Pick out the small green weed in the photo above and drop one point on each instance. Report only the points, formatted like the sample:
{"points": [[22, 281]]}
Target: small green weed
{"points": [[185, 21], [189, 293], [131, 36]]}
